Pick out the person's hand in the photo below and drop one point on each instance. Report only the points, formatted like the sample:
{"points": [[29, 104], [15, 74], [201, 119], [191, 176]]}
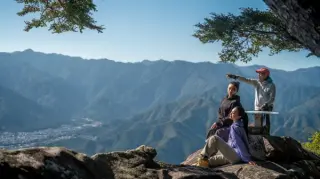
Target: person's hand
{"points": [[252, 163], [232, 76], [264, 107], [214, 125]]}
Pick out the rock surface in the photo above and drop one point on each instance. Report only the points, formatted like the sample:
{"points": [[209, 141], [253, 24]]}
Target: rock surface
{"points": [[301, 20], [55, 163]]}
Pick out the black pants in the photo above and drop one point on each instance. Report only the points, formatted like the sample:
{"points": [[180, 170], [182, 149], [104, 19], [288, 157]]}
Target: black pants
{"points": [[267, 117]]}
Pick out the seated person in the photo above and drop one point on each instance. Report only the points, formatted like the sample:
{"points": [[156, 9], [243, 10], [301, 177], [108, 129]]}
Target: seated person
{"points": [[235, 151], [221, 127]]}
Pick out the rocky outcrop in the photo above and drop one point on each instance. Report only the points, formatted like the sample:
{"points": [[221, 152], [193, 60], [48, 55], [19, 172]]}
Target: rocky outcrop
{"points": [[61, 163], [301, 20], [56, 162]]}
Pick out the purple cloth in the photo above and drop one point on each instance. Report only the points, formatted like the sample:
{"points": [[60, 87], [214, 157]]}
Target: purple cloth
{"points": [[223, 133], [238, 141]]}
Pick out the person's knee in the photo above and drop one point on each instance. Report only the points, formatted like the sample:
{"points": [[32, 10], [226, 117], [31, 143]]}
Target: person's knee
{"points": [[213, 138], [223, 133]]}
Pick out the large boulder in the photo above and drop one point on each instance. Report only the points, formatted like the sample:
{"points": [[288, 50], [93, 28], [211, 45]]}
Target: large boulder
{"points": [[285, 150], [46, 162]]}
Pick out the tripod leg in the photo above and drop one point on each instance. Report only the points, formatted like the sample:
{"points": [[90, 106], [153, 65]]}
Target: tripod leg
{"points": [[258, 120]]}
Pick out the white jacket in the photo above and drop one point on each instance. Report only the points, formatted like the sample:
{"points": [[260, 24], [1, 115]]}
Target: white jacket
{"points": [[265, 92]]}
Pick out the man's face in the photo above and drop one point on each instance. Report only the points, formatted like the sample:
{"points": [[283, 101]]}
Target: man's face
{"points": [[262, 76]]}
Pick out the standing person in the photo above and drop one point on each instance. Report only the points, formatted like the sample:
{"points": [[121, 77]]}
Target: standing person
{"points": [[265, 93], [234, 151], [231, 100]]}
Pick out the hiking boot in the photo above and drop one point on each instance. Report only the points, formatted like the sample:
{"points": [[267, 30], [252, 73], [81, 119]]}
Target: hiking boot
{"points": [[202, 162]]}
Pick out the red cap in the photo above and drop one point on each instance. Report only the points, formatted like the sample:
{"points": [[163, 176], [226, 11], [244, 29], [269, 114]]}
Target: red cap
{"points": [[263, 70]]}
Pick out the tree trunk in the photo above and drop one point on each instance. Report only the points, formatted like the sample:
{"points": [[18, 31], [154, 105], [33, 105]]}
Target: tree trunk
{"points": [[301, 19]]}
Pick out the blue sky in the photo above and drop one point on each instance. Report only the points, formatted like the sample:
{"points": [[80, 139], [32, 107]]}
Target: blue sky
{"points": [[138, 30]]}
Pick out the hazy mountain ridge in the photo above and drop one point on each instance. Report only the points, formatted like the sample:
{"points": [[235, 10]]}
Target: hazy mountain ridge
{"points": [[165, 104], [17, 111], [37, 85], [131, 86]]}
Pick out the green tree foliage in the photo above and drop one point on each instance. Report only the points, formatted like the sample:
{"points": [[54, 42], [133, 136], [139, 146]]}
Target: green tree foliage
{"points": [[314, 143], [243, 36], [60, 15]]}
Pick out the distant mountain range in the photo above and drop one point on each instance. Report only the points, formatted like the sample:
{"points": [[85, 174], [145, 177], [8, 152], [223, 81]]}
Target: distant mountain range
{"points": [[168, 105]]}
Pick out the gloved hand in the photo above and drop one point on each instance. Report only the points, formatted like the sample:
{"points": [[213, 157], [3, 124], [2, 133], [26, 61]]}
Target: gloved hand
{"points": [[264, 107], [232, 76]]}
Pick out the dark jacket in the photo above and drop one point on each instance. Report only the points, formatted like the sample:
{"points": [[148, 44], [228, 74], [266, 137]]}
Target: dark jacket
{"points": [[222, 130], [227, 104]]}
